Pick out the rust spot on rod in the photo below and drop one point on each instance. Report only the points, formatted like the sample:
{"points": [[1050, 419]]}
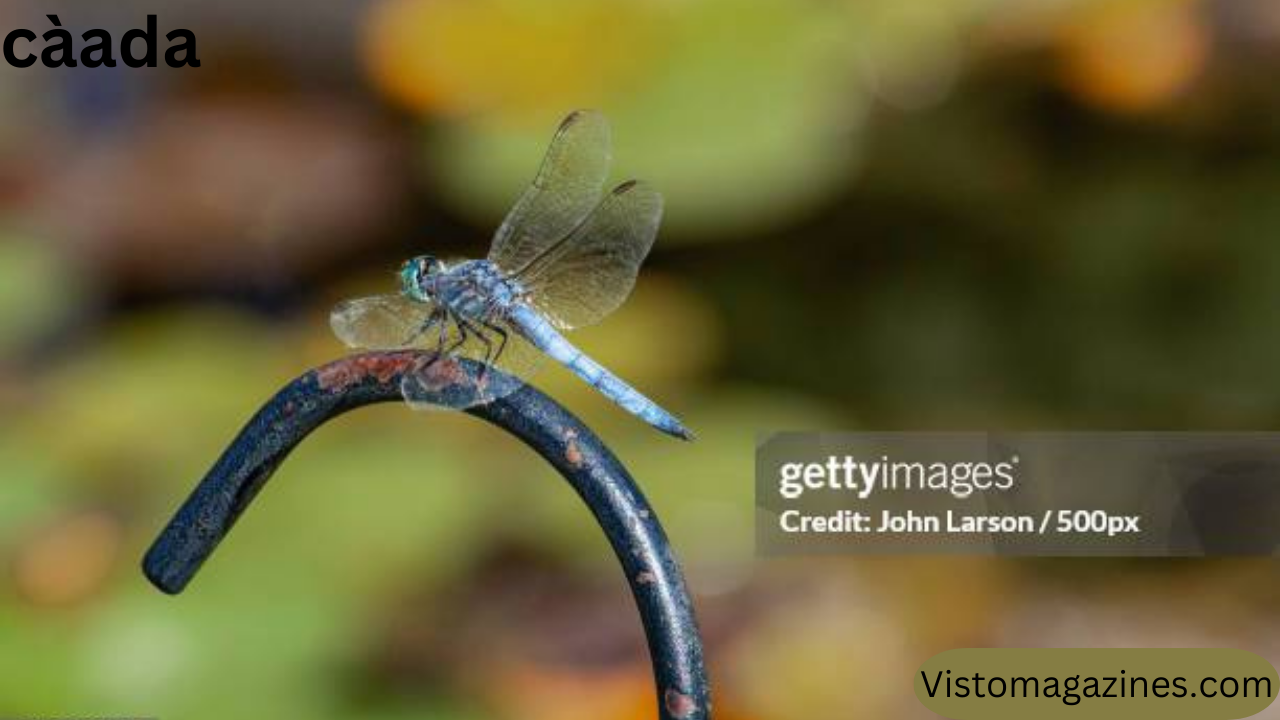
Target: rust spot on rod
{"points": [[383, 367], [572, 452], [678, 704]]}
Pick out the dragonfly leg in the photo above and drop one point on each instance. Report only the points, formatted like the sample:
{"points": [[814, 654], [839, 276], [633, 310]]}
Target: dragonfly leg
{"points": [[441, 350], [502, 335], [462, 336], [435, 317], [489, 357]]}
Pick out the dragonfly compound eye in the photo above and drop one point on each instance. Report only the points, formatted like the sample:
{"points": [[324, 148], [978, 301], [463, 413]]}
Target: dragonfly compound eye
{"points": [[411, 277]]}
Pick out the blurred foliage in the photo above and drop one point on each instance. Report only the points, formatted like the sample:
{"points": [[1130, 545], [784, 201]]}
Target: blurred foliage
{"points": [[881, 214], [736, 123], [37, 291]]}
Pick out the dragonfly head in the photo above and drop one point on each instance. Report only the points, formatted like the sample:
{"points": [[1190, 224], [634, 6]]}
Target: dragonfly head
{"points": [[416, 276]]}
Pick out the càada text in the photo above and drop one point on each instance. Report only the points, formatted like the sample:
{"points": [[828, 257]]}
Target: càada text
{"points": [[96, 48]]}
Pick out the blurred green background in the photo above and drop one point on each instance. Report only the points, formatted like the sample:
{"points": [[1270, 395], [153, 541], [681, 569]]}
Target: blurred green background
{"points": [[881, 214]]}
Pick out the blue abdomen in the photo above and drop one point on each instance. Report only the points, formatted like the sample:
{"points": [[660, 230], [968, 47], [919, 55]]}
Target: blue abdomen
{"points": [[537, 330]]}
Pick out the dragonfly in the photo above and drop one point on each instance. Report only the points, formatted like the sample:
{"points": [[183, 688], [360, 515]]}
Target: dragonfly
{"points": [[566, 256]]}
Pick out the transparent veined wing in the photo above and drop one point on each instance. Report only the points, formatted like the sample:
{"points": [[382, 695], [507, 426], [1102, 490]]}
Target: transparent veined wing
{"points": [[439, 382], [591, 272], [381, 322], [567, 187], [385, 322]]}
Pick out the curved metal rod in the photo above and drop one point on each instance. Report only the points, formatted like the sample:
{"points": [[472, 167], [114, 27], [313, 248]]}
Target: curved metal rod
{"points": [[657, 584]]}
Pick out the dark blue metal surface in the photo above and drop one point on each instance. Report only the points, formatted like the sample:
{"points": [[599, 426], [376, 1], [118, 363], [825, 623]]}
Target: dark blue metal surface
{"points": [[657, 584]]}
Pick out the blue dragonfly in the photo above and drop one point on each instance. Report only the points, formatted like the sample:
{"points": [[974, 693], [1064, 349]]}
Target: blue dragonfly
{"points": [[566, 256]]}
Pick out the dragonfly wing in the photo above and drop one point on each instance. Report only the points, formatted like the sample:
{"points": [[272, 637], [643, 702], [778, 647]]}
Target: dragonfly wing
{"points": [[435, 382], [381, 322], [590, 273], [566, 188]]}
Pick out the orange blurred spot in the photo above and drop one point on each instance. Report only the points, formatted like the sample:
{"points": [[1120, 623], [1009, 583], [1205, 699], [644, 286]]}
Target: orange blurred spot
{"points": [[458, 56], [1133, 55], [536, 693], [620, 694], [69, 560]]}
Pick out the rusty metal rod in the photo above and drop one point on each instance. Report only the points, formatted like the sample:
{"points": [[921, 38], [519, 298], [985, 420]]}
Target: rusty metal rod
{"points": [[638, 540]]}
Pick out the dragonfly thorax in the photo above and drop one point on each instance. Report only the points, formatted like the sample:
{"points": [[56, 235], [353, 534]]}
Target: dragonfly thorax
{"points": [[473, 289]]}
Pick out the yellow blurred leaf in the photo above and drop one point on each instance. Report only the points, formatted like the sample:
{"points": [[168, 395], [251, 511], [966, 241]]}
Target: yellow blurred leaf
{"points": [[461, 56]]}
